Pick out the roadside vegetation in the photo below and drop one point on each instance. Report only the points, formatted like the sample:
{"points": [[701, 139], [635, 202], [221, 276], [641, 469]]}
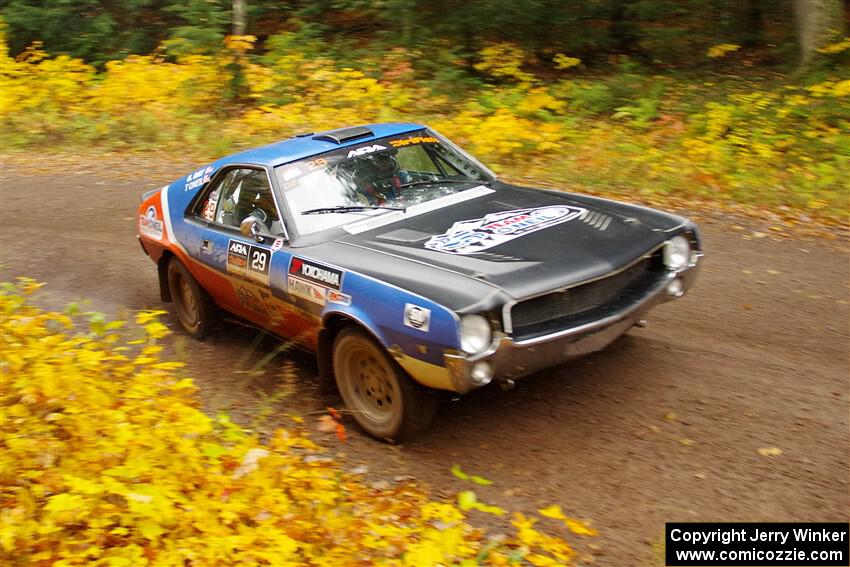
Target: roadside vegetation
{"points": [[107, 460], [694, 111]]}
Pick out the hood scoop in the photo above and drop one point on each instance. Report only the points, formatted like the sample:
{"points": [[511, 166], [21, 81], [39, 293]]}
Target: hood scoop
{"points": [[405, 235]]}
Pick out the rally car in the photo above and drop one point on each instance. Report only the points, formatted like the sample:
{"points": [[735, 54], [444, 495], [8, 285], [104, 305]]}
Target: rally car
{"points": [[407, 265]]}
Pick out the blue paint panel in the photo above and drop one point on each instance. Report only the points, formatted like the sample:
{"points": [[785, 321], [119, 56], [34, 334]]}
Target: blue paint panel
{"points": [[381, 308]]}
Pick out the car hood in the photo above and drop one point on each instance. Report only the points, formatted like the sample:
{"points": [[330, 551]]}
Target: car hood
{"points": [[522, 241]]}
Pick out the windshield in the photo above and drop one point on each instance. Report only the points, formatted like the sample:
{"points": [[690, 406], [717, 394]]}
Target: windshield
{"points": [[373, 178]]}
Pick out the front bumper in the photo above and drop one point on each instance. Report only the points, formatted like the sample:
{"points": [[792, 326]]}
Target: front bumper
{"points": [[509, 359]]}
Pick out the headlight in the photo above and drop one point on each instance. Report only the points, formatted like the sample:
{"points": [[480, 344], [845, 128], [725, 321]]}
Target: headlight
{"points": [[475, 334], [677, 252]]}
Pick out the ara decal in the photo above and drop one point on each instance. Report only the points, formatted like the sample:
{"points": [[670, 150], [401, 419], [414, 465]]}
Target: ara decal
{"points": [[248, 261]]}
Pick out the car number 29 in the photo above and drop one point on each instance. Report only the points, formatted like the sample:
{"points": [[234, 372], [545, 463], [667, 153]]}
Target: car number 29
{"points": [[258, 260]]}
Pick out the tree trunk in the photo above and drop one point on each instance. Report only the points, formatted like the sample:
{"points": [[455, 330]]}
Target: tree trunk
{"points": [[238, 17], [819, 23]]}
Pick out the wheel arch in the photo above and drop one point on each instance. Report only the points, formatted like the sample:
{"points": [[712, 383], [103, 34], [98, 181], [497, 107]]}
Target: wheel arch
{"points": [[332, 325], [162, 272]]}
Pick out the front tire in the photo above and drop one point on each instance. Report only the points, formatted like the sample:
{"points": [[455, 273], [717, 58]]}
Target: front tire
{"points": [[384, 400], [195, 311]]}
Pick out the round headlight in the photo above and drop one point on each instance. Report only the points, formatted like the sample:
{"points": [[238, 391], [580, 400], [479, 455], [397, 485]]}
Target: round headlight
{"points": [[475, 334], [677, 252]]}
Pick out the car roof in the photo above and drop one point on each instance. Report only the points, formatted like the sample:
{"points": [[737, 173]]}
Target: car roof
{"points": [[305, 145]]}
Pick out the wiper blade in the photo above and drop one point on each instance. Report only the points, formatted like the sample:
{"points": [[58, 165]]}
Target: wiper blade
{"points": [[436, 181], [350, 209]]}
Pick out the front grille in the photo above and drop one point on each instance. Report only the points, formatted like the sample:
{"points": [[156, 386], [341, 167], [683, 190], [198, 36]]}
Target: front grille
{"points": [[586, 302]]}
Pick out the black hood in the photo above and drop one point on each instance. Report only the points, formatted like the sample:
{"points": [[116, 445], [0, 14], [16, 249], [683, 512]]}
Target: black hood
{"points": [[578, 238]]}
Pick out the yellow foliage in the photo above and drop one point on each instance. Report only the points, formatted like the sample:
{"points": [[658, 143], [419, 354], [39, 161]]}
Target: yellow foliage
{"points": [[564, 62], [722, 50], [107, 459], [837, 47], [503, 61], [783, 146]]}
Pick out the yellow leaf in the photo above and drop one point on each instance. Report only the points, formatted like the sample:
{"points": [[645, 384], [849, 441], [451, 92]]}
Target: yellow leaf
{"points": [[150, 529], [466, 500], [553, 511], [64, 503], [578, 527], [456, 471], [480, 480]]}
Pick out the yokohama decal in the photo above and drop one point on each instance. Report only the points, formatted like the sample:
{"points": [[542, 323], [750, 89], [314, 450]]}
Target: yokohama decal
{"points": [[314, 282], [477, 235], [315, 273]]}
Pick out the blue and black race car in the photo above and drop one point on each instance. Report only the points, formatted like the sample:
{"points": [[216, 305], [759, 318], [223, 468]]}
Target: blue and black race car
{"points": [[407, 265]]}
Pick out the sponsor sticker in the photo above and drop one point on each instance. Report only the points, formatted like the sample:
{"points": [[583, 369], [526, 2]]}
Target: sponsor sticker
{"points": [[417, 317], [414, 140], [208, 212], [198, 178], [291, 173], [334, 296], [477, 235], [306, 290], [315, 273], [150, 225], [366, 150], [249, 261], [277, 244]]}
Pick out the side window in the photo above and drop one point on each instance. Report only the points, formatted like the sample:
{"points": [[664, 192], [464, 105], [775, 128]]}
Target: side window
{"points": [[239, 194]]}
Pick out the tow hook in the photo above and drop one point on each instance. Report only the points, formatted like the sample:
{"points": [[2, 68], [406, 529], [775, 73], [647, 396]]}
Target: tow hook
{"points": [[507, 384]]}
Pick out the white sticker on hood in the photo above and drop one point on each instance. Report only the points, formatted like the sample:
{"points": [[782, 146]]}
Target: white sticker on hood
{"points": [[471, 236]]}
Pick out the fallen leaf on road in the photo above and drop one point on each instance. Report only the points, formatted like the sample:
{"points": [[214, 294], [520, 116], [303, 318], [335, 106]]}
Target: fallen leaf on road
{"points": [[669, 416], [770, 451], [580, 528], [466, 500], [553, 511], [687, 442], [457, 472], [327, 424]]}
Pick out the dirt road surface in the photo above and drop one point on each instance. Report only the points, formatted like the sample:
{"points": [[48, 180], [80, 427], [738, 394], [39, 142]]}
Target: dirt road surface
{"points": [[666, 425]]}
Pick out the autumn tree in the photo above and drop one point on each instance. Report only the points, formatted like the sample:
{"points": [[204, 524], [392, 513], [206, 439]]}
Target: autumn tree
{"points": [[819, 23]]}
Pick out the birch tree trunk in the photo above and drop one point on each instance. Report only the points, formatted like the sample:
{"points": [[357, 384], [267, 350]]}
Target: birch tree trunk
{"points": [[238, 17], [819, 23]]}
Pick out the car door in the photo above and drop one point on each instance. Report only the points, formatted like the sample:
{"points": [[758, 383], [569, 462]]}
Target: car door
{"points": [[245, 270]]}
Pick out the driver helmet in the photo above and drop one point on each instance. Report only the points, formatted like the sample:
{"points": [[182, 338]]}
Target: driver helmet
{"points": [[385, 163]]}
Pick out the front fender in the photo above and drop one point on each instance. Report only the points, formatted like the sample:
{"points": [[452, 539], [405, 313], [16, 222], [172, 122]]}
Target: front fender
{"points": [[416, 331]]}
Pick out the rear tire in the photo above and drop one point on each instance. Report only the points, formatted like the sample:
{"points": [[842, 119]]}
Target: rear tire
{"points": [[193, 307], [385, 401]]}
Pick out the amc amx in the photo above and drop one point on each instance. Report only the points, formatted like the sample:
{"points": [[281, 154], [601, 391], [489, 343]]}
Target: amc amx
{"points": [[407, 265]]}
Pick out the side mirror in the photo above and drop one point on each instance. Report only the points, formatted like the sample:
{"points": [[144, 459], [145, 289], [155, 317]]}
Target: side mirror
{"points": [[250, 227]]}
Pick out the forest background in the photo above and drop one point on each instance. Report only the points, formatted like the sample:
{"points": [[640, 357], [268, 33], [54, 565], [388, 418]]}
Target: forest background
{"points": [[740, 104]]}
